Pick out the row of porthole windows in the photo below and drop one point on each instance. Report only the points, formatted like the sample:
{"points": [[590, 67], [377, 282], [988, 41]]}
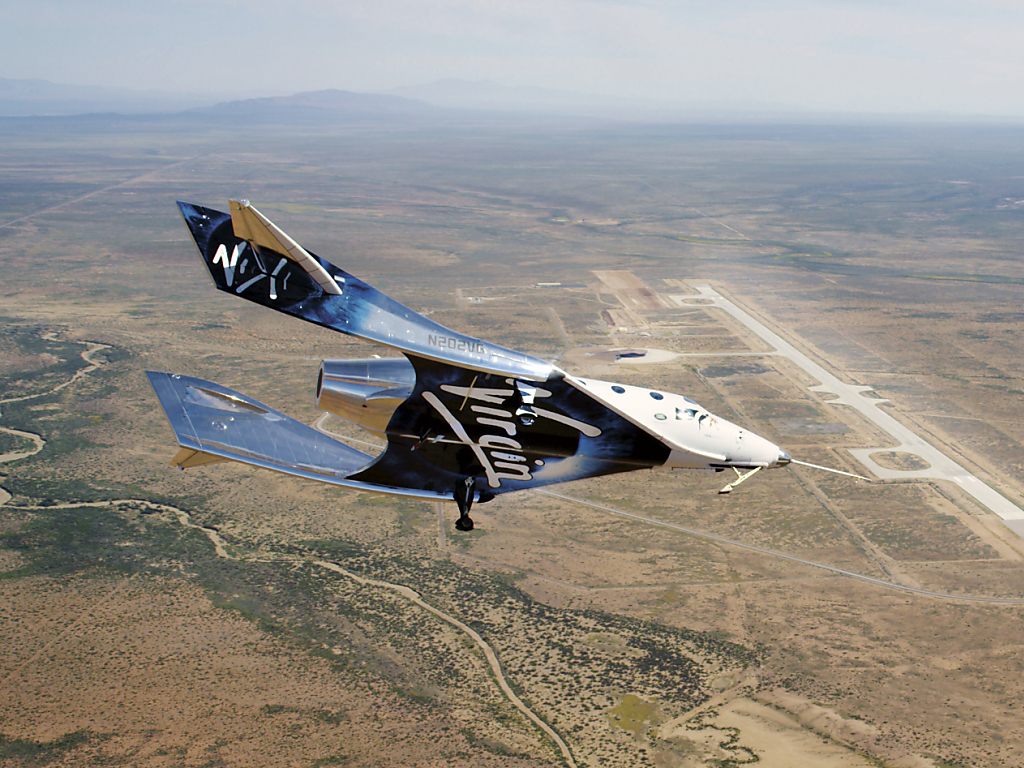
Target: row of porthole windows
{"points": [[656, 395], [621, 391]]}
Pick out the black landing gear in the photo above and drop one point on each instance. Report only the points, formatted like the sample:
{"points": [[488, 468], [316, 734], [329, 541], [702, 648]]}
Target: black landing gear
{"points": [[464, 499]]}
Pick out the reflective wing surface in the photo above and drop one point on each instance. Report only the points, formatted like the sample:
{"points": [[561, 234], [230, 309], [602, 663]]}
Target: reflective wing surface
{"points": [[248, 256], [506, 432], [213, 423], [222, 424]]}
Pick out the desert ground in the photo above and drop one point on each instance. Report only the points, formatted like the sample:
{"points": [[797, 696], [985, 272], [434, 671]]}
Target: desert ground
{"points": [[230, 616]]}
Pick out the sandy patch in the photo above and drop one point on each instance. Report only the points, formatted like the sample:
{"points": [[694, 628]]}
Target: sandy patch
{"points": [[633, 292], [856, 733], [781, 742]]}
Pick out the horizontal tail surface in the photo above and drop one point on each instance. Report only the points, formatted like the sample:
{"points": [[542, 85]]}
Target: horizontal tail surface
{"points": [[214, 423]]}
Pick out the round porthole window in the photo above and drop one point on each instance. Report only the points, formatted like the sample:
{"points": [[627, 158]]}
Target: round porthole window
{"points": [[657, 395], [660, 416], [618, 390]]}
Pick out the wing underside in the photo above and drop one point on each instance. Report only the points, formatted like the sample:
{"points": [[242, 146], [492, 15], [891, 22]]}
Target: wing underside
{"points": [[505, 432], [213, 424]]}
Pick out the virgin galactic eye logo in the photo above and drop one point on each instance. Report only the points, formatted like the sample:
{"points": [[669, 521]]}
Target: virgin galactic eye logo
{"points": [[231, 264]]}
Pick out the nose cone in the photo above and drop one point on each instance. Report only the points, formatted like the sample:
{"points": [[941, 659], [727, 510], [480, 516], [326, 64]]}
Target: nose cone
{"points": [[783, 460]]}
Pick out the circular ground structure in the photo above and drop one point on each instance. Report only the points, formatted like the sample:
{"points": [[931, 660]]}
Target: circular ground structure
{"points": [[900, 461]]}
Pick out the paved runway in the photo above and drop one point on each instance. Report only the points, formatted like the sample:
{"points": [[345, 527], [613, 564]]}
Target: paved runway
{"points": [[942, 467]]}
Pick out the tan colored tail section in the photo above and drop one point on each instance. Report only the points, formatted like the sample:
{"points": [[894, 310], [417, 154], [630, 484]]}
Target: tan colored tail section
{"points": [[249, 224]]}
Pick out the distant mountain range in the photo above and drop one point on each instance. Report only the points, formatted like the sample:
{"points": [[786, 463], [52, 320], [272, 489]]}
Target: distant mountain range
{"points": [[432, 102], [491, 96], [487, 95], [42, 98]]}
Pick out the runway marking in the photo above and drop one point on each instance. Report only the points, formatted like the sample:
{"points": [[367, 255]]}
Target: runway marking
{"points": [[942, 467]]}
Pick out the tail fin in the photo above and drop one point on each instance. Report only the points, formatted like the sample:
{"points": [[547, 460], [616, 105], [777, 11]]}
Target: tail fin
{"points": [[247, 255], [252, 226]]}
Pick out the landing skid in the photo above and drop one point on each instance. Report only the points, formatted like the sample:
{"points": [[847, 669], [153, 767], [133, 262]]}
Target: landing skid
{"points": [[739, 479], [464, 499]]}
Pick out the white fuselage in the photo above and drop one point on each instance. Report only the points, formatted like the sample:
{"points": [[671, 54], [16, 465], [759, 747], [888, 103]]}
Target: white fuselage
{"points": [[697, 438]]}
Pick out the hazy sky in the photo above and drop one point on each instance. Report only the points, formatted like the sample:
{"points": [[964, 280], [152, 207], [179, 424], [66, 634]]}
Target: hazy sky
{"points": [[854, 55]]}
